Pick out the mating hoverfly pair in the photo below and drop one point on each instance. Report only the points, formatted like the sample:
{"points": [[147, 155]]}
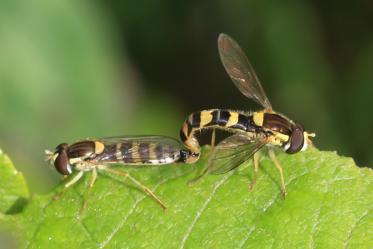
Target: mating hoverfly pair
{"points": [[251, 131]]}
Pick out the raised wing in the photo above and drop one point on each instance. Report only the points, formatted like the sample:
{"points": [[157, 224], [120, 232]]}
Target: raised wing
{"points": [[140, 150], [240, 70], [232, 152]]}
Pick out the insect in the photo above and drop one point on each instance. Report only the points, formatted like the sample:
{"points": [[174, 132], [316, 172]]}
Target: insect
{"points": [[251, 130], [100, 154]]}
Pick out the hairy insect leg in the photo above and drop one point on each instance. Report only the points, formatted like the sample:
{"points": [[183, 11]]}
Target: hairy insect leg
{"points": [[92, 182], [256, 159], [138, 183], [279, 168], [69, 184]]}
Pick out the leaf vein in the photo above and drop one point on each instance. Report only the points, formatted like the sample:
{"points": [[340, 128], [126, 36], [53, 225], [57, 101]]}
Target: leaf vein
{"points": [[317, 221], [354, 227], [38, 225], [267, 207], [121, 223], [202, 209]]}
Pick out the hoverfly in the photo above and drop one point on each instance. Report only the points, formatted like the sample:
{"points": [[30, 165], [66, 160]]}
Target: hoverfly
{"points": [[100, 154], [251, 130]]}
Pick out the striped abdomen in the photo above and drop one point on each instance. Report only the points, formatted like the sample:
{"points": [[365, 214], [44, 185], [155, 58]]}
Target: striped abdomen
{"points": [[215, 118], [138, 153], [141, 150]]}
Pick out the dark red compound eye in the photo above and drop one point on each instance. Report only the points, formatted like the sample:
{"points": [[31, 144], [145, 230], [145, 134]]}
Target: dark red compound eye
{"points": [[61, 163], [296, 139]]}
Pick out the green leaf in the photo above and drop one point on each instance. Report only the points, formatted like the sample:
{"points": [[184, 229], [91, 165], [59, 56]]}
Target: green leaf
{"points": [[13, 188], [329, 205]]}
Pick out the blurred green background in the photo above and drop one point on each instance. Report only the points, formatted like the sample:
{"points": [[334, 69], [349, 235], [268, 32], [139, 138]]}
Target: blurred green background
{"points": [[76, 69]]}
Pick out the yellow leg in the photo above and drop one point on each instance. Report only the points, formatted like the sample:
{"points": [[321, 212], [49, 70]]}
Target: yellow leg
{"points": [[93, 180], [213, 135], [74, 180], [139, 184], [256, 169], [279, 168], [69, 184], [196, 179]]}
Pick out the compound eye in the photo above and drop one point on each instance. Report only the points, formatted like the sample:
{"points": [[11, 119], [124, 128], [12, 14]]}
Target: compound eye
{"points": [[296, 139], [62, 163]]}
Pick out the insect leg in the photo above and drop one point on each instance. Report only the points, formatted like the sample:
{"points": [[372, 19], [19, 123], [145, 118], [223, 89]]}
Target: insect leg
{"points": [[213, 139], [196, 179], [69, 184], [138, 183], [279, 168], [74, 180], [256, 158], [92, 182]]}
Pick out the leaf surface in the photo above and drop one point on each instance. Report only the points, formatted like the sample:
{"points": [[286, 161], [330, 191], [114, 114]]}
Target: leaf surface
{"points": [[13, 188], [329, 205]]}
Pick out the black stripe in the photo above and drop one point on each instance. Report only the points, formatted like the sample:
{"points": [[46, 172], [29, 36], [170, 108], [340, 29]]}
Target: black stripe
{"points": [[169, 152], [81, 149], [189, 127], [223, 117], [242, 124], [252, 126], [144, 152], [109, 152], [159, 152], [214, 120], [196, 119], [183, 137], [126, 152]]}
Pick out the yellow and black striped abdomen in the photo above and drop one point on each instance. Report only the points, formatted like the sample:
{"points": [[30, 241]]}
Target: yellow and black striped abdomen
{"points": [[215, 118], [139, 153]]}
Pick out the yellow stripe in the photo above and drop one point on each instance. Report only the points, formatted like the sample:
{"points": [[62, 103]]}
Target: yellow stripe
{"points": [[99, 147], [118, 153], [206, 118], [233, 119], [152, 154], [136, 158], [258, 118]]}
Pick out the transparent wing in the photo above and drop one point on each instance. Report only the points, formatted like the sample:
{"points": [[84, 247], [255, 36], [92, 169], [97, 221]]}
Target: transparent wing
{"points": [[240, 70], [140, 150], [232, 152], [162, 140]]}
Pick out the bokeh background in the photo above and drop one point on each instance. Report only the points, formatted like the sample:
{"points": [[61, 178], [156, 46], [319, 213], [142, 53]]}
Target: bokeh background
{"points": [[76, 69]]}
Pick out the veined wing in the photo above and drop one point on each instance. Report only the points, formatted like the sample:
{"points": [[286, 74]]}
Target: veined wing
{"points": [[232, 152], [165, 140], [139, 150], [240, 70]]}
